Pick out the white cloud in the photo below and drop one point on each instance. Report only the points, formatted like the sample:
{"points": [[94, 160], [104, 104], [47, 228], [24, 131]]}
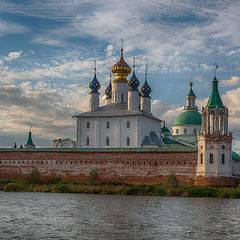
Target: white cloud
{"points": [[109, 50], [13, 55], [234, 80], [11, 28]]}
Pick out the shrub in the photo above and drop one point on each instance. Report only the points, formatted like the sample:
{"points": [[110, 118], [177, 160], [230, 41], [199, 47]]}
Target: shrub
{"points": [[63, 188], [34, 176], [13, 187], [171, 181], [94, 175]]}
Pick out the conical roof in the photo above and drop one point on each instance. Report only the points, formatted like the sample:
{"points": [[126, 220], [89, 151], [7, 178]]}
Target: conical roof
{"points": [[190, 92], [29, 141], [215, 99]]}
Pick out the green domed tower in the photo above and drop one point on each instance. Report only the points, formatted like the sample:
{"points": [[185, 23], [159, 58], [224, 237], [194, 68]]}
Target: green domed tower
{"points": [[189, 122]]}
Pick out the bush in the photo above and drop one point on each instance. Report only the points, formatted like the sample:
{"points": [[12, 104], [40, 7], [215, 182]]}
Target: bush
{"points": [[94, 175], [34, 176], [13, 187], [171, 181], [63, 188]]}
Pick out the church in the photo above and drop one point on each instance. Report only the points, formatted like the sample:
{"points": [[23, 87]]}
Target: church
{"points": [[126, 120]]}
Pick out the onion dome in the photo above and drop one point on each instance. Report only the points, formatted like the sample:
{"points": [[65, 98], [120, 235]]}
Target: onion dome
{"points": [[121, 69], [190, 92], [133, 82], [108, 90], [145, 89], [94, 85]]}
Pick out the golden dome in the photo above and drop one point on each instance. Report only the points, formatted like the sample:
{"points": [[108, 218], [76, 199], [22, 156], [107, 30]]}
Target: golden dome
{"points": [[121, 69]]}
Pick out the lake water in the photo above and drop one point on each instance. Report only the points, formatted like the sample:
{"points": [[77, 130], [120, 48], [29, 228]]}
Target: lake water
{"points": [[78, 216]]}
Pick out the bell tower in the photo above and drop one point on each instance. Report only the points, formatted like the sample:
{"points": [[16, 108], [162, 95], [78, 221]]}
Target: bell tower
{"points": [[214, 142]]}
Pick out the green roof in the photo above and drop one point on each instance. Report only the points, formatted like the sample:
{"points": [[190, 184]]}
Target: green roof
{"points": [[235, 156], [29, 141], [165, 129], [215, 99], [188, 118], [190, 92], [171, 141]]}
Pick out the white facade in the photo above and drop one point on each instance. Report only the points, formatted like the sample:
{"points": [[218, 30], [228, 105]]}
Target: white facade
{"points": [[116, 131]]}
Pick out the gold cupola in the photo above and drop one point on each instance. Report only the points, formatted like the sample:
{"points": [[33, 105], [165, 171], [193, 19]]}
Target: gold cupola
{"points": [[121, 69]]}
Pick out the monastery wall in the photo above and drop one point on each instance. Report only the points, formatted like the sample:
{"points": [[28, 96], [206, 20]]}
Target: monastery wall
{"points": [[137, 166]]}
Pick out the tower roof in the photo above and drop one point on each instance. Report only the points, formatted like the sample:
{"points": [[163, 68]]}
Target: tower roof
{"points": [[133, 82], [121, 69], [94, 85], [108, 90], [188, 118], [30, 141], [190, 92], [146, 89], [215, 99]]}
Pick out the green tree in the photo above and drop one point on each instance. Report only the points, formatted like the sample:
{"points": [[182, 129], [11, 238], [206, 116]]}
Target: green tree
{"points": [[34, 176]]}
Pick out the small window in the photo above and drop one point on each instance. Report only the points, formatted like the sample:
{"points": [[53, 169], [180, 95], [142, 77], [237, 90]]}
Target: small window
{"points": [[87, 141], [185, 131], [201, 158], [128, 124], [211, 158], [107, 141], [108, 125], [223, 158], [177, 131], [128, 141], [195, 131], [223, 147], [122, 97], [88, 124]]}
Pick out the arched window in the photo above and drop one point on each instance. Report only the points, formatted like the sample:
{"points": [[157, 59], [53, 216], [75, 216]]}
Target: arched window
{"points": [[128, 141], [201, 158], [108, 125], [128, 124], [177, 131], [87, 141], [185, 131], [107, 141], [223, 158], [211, 157], [88, 124], [122, 98]]}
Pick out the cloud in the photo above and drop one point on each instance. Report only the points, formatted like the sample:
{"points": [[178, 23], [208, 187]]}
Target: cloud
{"points": [[234, 80], [13, 55], [7, 27]]}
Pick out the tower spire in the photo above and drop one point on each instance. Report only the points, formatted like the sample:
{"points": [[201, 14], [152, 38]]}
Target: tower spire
{"points": [[95, 67], [146, 68], [134, 64], [121, 47]]}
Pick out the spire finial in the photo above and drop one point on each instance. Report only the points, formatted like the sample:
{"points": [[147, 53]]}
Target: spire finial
{"points": [[110, 75], [146, 67], [133, 64], [121, 47], [95, 67], [216, 68]]}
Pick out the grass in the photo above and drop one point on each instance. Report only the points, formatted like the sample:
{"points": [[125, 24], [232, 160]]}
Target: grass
{"points": [[120, 189]]}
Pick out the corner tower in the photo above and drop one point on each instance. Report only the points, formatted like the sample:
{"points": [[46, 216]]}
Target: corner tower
{"points": [[214, 143]]}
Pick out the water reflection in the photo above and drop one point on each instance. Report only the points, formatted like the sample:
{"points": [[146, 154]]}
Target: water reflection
{"points": [[76, 216]]}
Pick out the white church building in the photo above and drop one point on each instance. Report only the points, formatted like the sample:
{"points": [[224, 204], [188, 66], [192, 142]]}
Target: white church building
{"points": [[126, 120]]}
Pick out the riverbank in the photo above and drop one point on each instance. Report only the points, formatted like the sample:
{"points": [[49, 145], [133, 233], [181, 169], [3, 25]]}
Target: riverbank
{"points": [[120, 189]]}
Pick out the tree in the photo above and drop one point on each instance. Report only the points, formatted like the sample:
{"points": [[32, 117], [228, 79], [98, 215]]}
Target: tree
{"points": [[34, 176]]}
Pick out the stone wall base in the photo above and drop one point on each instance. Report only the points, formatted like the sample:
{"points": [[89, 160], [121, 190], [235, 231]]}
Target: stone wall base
{"points": [[215, 181]]}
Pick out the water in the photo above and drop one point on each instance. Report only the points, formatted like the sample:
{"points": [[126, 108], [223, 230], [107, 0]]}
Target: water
{"points": [[77, 216]]}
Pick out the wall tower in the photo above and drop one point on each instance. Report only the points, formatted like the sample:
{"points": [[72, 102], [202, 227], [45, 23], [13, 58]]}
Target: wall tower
{"points": [[214, 141]]}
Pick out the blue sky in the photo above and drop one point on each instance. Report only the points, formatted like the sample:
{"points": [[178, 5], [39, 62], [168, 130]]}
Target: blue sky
{"points": [[47, 50]]}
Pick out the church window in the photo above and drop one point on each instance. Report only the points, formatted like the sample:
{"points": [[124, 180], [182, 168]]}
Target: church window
{"points": [[87, 141], [223, 147], [108, 125], [177, 131], [223, 158], [88, 124], [107, 141], [128, 141], [211, 157], [122, 98], [201, 158], [185, 131], [128, 124]]}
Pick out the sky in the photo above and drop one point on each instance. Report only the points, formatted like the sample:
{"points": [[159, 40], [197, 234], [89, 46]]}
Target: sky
{"points": [[48, 48]]}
